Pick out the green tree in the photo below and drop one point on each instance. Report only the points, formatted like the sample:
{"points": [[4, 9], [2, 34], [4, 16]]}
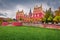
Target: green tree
{"points": [[49, 15], [1, 20], [50, 18], [57, 19], [9, 20]]}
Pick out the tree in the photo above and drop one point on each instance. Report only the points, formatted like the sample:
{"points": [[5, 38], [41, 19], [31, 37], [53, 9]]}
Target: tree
{"points": [[57, 15], [50, 18], [9, 20], [57, 19], [43, 20], [49, 15], [1, 20]]}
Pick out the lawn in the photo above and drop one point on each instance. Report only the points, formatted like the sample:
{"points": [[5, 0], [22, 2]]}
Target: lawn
{"points": [[28, 33]]}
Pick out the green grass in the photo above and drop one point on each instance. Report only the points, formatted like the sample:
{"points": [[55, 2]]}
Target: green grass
{"points": [[28, 33]]}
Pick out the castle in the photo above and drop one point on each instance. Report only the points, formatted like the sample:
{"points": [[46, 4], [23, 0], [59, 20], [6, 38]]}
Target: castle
{"points": [[34, 16]]}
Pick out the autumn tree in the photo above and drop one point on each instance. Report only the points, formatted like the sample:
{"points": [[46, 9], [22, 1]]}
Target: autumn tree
{"points": [[57, 15]]}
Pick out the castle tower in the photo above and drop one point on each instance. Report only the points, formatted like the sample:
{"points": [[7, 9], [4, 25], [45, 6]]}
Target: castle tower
{"points": [[36, 9], [30, 13], [40, 7], [19, 14], [38, 13]]}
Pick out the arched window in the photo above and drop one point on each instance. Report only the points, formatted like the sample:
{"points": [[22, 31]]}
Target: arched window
{"points": [[35, 15], [38, 15]]}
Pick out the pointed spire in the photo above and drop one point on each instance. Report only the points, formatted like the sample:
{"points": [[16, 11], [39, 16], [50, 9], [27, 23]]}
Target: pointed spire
{"points": [[18, 10], [41, 6], [22, 10], [30, 13], [36, 6]]}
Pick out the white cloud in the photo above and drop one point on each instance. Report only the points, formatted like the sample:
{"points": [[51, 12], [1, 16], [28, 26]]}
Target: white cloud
{"points": [[12, 13], [20, 7], [45, 6]]}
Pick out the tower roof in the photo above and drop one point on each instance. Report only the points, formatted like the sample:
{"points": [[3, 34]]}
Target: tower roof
{"points": [[40, 7], [36, 6], [30, 13]]}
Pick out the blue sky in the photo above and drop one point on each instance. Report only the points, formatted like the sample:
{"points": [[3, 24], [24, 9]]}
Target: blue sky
{"points": [[11, 6]]}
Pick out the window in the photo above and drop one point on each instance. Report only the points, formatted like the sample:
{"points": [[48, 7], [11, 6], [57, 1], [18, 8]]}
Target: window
{"points": [[38, 15], [35, 15]]}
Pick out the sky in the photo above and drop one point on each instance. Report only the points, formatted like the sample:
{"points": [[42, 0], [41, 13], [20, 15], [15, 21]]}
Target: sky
{"points": [[12, 6]]}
